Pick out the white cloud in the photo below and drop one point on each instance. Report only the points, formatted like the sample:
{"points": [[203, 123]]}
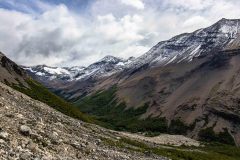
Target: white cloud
{"points": [[196, 22], [9, 33], [191, 4], [124, 29], [133, 50], [59, 36], [134, 3]]}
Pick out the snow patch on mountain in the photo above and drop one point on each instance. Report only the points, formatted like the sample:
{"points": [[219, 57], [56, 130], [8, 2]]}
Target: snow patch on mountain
{"points": [[57, 70]]}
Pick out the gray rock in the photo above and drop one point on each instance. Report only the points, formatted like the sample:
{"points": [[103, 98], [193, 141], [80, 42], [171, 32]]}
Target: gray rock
{"points": [[25, 130], [1, 104], [3, 135], [25, 156], [32, 146], [2, 141], [54, 137]]}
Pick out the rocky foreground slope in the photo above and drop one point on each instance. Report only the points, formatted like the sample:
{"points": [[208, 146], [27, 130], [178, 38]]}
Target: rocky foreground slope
{"points": [[30, 129]]}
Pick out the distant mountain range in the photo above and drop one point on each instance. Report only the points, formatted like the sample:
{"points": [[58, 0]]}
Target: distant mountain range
{"points": [[102, 68], [187, 85]]}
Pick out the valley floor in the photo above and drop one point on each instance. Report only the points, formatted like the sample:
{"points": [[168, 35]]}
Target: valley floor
{"points": [[30, 129]]}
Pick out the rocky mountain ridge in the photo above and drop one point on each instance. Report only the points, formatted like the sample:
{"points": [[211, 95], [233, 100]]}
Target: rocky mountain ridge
{"points": [[185, 47], [102, 68]]}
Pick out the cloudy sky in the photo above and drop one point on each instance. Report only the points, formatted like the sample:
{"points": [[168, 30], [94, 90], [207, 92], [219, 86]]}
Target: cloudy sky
{"points": [[79, 32]]}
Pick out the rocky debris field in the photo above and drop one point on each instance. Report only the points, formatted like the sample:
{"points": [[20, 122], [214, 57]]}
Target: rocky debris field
{"points": [[30, 129], [165, 139]]}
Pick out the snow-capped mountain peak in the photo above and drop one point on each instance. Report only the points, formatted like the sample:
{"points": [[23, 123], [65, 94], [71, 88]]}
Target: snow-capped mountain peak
{"points": [[187, 46], [104, 67]]}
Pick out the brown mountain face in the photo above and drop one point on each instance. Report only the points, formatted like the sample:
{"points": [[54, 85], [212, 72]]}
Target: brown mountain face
{"points": [[10, 72], [203, 94]]}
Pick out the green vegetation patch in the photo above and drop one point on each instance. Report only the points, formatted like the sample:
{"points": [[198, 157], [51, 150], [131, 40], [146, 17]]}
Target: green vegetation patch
{"points": [[209, 135], [178, 127], [104, 107]]}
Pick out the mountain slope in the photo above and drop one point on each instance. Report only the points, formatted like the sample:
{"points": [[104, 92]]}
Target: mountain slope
{"points": [[197, 94], [15, 77], [47, 73], [195, 98]]}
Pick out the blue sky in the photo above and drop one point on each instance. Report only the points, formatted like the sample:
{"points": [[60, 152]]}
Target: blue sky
{"points": [[79, 32], [35, 5]]}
